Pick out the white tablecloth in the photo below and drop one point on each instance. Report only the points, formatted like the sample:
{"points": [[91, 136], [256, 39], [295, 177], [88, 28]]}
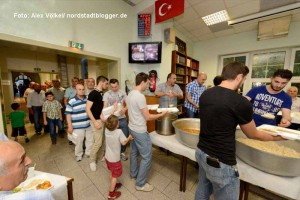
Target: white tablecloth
{"points": [[59, 190], [286, 186]]}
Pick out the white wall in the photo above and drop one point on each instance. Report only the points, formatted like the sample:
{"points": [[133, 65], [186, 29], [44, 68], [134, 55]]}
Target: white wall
{"points": [[208, 52]]}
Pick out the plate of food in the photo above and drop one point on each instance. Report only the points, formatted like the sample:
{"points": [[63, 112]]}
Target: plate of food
{"points": [[40, 182], [283, 132], [268, 116]]}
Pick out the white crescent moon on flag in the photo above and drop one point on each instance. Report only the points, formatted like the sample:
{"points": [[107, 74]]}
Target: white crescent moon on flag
{"points": [[159, 10]]}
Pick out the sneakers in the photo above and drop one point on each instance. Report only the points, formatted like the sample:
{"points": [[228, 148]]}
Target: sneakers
{"points": [[27, 140], [78, 158], [124, 157], [93, 166], [118, 186], [70, 143], [146, 188], [114, 195]]}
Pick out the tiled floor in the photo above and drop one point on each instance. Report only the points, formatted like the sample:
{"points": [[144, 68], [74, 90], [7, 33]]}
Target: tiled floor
{"points": [[88, 185]]}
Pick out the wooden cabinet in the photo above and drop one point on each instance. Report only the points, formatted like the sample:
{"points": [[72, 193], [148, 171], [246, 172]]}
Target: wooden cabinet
{"points": [[150, 100], [186, 69]]}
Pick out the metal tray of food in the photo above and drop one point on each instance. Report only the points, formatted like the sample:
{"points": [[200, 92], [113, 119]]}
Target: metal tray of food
{"points": [[278, 164]]}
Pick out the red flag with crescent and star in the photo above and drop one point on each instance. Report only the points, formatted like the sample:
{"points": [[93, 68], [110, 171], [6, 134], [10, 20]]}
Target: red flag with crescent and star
{"points": [[167, 9]]}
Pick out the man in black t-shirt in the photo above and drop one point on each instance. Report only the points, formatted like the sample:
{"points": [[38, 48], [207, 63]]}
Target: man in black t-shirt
{"points": [[222, 109], [94, 106]]}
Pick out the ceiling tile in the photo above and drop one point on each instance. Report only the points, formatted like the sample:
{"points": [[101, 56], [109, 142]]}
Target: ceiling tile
{"points": [[201, 31], [188, 15], [206, 37], [244, 9], [194, 2], [208, 7], [193, 25], [219, 27], [271, 4], [224, 33], [179, 28], [232, 3]]}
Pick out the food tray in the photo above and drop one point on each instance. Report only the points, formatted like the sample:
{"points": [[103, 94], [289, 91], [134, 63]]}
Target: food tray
{"points": [[32, 183], [170, 110], [283, 132]]}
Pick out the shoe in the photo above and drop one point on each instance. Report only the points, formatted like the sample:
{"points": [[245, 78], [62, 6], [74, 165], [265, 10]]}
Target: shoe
{"points": [[78, 158], [53, 141], [70, 143], [87, 156], [118, 186], [27, 140], [114, 195], [146, 188], [124, 157], [93, 166], [39, 133]]}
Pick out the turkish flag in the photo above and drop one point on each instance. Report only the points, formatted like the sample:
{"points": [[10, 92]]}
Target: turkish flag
{"points": [[167, 9]]}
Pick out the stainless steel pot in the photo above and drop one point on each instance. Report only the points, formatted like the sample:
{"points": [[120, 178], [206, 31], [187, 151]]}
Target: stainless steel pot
{"points": [[270, 163], [163, 125], [188, 139]]}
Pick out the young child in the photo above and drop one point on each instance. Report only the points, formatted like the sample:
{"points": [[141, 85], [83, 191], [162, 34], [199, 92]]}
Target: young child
{"points": [[52, 115], [17, 122], [114, 138]]}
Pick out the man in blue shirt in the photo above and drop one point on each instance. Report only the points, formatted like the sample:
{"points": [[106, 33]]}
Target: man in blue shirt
{"points": [[192, 95], [270, 99]]}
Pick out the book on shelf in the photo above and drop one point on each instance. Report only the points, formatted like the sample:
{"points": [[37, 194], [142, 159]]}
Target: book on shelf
{"points": [[194, 65], [181, 60], [188, 62]]}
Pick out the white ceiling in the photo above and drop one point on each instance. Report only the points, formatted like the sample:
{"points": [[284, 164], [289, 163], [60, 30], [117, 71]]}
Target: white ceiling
{"points": [[192, 26]]}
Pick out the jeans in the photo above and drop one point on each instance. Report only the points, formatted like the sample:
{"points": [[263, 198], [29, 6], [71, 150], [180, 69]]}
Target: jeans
{"points": [[124, 127], [52, 123], [223, 182], [140, 145], [191, 114], [38, 117]]}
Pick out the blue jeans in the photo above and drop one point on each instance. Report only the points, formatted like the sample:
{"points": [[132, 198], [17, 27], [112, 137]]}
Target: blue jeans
{"points": [[223, 182], [124, 127], [190, 114], [140, 145], [52, 123], [38, 117]]}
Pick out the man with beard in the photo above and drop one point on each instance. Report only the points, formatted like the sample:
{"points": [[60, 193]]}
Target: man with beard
{"points": [[222, 109], [35, 102], [169, 92], [90, 86], [14, 166], [270, 99]]}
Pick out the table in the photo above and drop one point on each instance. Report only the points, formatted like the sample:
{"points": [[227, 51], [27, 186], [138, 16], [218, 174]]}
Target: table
{"points": [[295, 117], [62, 185], [286, 186]]}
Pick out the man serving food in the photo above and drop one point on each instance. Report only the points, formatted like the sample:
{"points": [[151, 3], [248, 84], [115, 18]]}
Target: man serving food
{"points": [[268, 100]]}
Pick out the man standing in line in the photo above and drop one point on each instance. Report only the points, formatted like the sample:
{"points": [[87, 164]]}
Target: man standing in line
{"points": [[58, 91], [79, 123], [71, 91], [27, 91], [90, 86], [110, 98], [169, 92], [192, 95], [138, 115], [222, 109], [94, 108], [270, 99], [35, 104]]}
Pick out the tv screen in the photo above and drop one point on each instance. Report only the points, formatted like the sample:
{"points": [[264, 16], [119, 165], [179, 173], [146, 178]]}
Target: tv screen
{"points": [[144, 52]]}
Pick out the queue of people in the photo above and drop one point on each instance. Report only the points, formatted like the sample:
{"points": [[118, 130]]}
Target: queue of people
{"points": [[219, 108]]}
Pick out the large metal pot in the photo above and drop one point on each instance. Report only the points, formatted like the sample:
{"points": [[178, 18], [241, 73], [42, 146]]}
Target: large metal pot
{"points": [[187, 138], [268, 162], [163, 125]]}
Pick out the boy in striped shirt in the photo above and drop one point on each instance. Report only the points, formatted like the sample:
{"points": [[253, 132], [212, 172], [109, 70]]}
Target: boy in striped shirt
{"points": [[79, 123]]}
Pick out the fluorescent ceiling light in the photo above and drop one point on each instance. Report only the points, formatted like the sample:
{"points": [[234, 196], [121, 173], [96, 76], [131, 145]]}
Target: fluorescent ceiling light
{"points": [[216, 18]]}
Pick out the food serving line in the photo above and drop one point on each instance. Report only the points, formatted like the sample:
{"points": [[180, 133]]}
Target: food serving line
{"points": [[285, 186]]}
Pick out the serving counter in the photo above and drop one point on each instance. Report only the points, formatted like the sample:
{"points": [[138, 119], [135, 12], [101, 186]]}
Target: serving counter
{"points": [[285, 186]]}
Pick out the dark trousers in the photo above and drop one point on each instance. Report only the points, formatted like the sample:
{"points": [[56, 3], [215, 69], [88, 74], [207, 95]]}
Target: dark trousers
{"points": [[38, 118], [52, 123]]}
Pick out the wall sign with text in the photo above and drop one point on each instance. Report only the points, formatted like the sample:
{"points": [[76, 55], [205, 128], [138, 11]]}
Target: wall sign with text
{"points": [[144, 25]]}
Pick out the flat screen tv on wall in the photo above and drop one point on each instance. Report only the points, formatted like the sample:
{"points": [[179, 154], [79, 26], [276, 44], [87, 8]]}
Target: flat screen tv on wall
{"points": [[144, 52]]}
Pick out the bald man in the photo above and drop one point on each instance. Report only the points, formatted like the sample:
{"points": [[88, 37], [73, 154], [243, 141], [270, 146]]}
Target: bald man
{"points": [[192, 95], [14, 166]]}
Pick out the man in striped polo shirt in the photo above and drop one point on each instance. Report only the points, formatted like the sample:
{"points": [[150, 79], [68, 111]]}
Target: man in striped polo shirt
{"points": [[79, 123]]}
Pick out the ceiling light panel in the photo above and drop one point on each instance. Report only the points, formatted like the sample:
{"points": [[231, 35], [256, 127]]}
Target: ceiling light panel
{"points": [[216, 18]]}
